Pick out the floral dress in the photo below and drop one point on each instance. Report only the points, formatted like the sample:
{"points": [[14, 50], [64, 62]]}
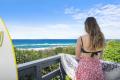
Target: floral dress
{"points": [[89, 68]]}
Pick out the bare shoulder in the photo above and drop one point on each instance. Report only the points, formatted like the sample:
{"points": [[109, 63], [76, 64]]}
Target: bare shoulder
{"points": [[85, 36], [79, 39]]}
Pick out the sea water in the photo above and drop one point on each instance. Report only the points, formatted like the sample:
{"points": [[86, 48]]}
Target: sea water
{"points": [[42, 43]]}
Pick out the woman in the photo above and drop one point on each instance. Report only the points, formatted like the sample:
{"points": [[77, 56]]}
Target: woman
{"points": [[89, 50]]}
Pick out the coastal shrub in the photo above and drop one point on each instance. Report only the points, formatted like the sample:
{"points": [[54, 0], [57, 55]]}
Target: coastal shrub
{"points": [[58, 50], [67, 78], [69, 50], [112, 51]]}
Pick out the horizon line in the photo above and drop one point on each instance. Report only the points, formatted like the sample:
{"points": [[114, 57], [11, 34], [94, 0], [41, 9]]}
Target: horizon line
{"points": [[58, 38]]}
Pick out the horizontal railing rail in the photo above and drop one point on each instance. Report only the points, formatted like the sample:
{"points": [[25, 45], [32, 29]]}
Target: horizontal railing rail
{"points": [[33, 70]]}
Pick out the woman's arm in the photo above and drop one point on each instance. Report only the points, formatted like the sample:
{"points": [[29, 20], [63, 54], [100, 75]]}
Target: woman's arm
{"points": [[78, 48]]}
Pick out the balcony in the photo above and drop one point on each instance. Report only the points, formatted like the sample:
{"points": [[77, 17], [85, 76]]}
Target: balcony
{"points": [[33, 70]]}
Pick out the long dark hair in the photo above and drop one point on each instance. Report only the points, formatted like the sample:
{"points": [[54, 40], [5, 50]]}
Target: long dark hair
{"points": [[96, 36]]}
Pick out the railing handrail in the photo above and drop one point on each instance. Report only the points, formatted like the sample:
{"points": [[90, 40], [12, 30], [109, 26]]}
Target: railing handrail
{"points": [[34, 67], [32, 63]]}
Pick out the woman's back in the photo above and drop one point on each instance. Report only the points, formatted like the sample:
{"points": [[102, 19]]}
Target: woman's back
{"points": [[85, 50]]}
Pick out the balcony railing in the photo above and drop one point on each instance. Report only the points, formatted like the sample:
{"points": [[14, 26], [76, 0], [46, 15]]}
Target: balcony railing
{"points": [[33, 70]]}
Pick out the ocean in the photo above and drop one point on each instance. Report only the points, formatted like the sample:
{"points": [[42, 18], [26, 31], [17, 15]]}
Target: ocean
{"points": [[42, 43], [45, 43]]}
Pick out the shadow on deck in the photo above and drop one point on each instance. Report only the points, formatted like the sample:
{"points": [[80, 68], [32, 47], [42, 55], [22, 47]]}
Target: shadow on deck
{"points": [[33, 70]]}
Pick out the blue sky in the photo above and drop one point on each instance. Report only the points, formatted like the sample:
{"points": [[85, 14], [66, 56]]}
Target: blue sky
{"points": [[59, 18]]}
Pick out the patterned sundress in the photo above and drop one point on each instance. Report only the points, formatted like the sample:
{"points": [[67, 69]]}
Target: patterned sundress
{"points": [[89, 68]]}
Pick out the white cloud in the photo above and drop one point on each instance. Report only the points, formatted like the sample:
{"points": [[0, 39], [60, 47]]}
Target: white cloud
{"points": [[108, 17], [51, 31]]}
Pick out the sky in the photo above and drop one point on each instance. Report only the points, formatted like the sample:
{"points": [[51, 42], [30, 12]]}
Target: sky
{"points": [[59, 19]]}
